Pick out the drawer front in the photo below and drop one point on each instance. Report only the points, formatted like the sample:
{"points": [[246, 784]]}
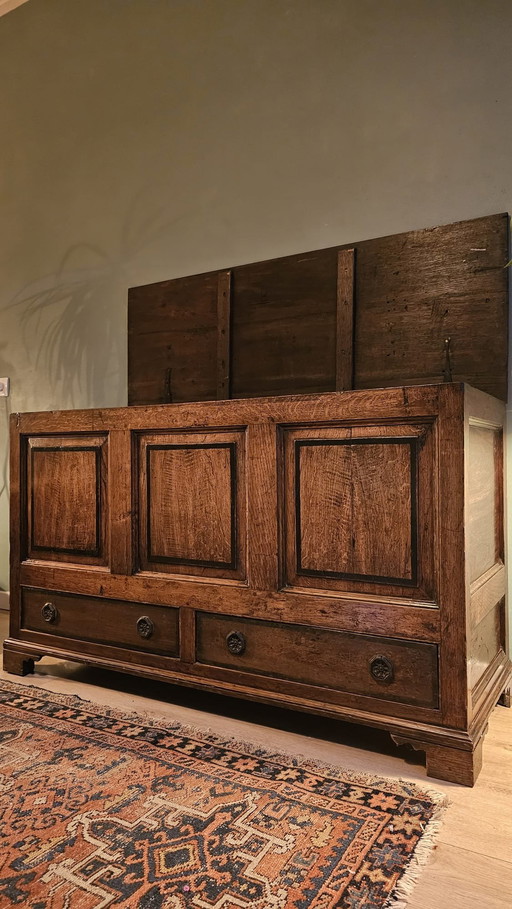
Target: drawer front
{"points": [[112, 622], [378, 667]]}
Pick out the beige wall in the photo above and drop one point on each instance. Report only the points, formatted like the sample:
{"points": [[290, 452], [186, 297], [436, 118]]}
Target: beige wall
{"points": [[144, 139]]}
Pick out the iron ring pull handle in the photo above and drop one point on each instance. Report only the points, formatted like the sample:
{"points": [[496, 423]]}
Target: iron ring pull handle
{"points": [[382, 669], [236, 643], [145, 627], [50, 613]]}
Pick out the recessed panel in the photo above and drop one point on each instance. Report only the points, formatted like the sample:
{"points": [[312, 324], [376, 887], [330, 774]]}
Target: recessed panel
{"points": [[482, 533], [352, 500], [358, 508], [191, 511], [66, 506], [191, 515]]}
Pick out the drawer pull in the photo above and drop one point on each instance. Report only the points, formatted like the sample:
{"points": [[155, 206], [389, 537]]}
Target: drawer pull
{"points": [[236, 643], [381, 669], [50, 613], [145, 627]]}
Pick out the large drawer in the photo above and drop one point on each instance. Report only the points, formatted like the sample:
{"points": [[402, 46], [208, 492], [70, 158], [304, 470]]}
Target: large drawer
{"points": [[137, 626], [378, 667]]}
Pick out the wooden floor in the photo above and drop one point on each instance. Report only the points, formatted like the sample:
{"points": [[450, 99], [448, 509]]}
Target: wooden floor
{"points": [[472, 865]]}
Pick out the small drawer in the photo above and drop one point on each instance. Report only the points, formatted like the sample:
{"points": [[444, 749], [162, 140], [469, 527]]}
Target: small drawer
{"points": [[136, 626], [393, 670]]}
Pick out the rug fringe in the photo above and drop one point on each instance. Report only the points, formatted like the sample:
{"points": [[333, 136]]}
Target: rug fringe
{"points": [[402, 892]]}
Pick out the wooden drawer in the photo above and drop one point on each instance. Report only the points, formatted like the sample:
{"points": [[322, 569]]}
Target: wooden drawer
{"points": [[377, 667], [137, 626]]}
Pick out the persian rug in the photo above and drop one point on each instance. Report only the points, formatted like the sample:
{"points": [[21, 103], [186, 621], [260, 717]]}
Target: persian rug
{"points": [[104, 809]]}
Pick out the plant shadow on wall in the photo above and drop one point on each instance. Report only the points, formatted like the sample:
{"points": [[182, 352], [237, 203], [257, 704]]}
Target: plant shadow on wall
{"points": [[71, 330], [73, 321]]}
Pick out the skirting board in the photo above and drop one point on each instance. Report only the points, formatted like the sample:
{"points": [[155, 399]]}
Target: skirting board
{"points": [[4, 600]]}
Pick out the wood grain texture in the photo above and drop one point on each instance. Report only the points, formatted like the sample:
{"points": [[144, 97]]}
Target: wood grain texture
{"points": [[399, 653], [104, 621], [323, 658], [187, 634], [453, 589], [384, 509], [223, 334], [344, 378], [121, 504], [172, 340], [485, 643], [367, 514], [354, 504], [191, 503], [293, 323], [417, 289], [342, 612], [488, 590], [458, 878], [323, 505], [17, 519], [66, 499], [263, 491], [368, 407], [284, 325], [18, 663], [445, 763], [481, 537]]}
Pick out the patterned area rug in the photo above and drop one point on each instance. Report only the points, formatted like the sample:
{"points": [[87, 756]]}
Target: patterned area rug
{"points": [[101, 809]]}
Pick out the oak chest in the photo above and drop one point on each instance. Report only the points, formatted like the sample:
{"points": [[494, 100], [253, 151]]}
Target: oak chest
{"points": [[338, 553]]}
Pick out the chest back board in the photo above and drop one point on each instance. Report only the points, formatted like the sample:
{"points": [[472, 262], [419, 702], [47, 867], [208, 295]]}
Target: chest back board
{"points": [[425, 306]]}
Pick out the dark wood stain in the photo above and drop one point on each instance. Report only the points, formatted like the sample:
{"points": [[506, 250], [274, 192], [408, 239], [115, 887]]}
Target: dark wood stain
{"points": [[414, 308], [372, 619]]}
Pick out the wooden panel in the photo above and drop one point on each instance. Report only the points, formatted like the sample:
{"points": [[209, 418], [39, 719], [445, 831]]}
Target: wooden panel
{"points": [[486, 642], [415, 290], [191, 507], [105, 621], [384, 518], [345, 320], [223, 334], [323, 505], [453, 590], [66, 501], [308, 636], [352, 499], [121, 507], [64, 506], [481, 531], [485, 592], [284, 325], [370, 406], [431, 307], [351, 508], [190, 503], [317, 657], [172, 340], [341, 612]]}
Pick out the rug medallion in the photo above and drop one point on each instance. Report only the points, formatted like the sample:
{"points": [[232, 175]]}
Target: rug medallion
{"points": [[101, 809]]}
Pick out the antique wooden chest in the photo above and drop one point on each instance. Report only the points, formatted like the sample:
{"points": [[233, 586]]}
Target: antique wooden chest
{"points": [[339, 553]]}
